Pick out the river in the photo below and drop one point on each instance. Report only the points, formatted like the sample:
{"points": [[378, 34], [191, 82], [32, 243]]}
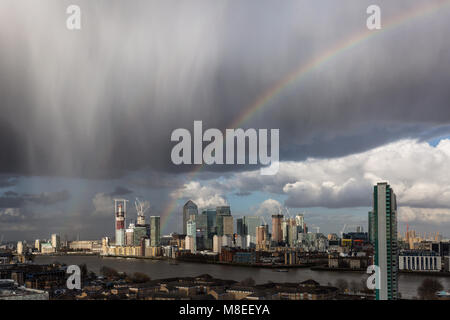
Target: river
{"points": [[159, 269]]}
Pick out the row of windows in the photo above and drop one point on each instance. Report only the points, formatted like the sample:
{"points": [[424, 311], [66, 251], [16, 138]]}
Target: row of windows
{"points": [[420, 263]]}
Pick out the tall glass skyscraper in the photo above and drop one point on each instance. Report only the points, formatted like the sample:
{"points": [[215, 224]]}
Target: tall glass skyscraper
{"points": [[155, 233], [386, 247], [223, 211], [189, 209]]}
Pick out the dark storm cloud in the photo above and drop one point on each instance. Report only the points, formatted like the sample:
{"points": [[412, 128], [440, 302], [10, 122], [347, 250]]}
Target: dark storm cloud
{"points": [[120, 191], [11, 199], [103, 101], [7, 181]]}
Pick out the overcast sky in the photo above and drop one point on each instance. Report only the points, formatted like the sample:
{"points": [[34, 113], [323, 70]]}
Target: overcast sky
{"points": [[87, 115]]}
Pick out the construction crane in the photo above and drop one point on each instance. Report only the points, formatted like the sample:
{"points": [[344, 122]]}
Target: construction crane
{"points": [[264, 220], [141, 207], [350, 226], [342, 231], [287, 212]]}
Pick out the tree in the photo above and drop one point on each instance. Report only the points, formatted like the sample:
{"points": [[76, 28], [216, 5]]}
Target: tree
{"points": [[248, 282], [427, 290], [342, 284], [354, 286], [139, 277], [108, 272]]}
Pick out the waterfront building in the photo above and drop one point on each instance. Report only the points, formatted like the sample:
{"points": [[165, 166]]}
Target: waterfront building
{"points": [[217, 244], [37, 245], [191, 237], [386, 247], [418, 260], [56, 242], [47, 247]]}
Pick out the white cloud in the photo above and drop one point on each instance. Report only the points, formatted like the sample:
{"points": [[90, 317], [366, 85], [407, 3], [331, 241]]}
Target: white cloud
{"points": [[424, 215], [269, 207], [205, 196], [418, 172]]}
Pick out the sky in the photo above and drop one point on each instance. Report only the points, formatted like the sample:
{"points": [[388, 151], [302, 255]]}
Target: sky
{"points": [[86, 115]]}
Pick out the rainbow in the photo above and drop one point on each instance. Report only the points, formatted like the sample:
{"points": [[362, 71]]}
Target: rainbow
{"points": [[304, 69]]}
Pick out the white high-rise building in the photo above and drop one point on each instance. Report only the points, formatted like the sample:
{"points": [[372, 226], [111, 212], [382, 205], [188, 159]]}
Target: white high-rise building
{"points": [[20, 247], [191, 230], [56, 242], [217, 244], [37, 245]]}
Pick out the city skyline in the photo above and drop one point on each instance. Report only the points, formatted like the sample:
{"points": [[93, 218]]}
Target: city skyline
{"points": [[87, 115]]}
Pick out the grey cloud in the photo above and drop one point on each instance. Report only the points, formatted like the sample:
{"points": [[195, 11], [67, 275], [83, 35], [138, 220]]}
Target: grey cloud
{"points": [[103, 101], [120, 191], [15, 200]]}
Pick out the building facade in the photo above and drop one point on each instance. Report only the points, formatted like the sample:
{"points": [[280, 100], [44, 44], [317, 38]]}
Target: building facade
{"points": [[386, 246], [189, 209]]}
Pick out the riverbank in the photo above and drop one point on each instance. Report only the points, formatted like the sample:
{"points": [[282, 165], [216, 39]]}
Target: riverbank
{"points": [[182, 259], [161, 269], [420, 273], [63, 254]]}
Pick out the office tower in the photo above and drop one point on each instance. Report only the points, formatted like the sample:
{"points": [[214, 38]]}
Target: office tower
{"points": [[300, 221], [240, 227], [227, 241], [386, 251], [211, 215], [285, 230], [277, 235], [250, 223], [155, 235], [262, 237], [139, 233], [19, 247], [56, 242], [292, 234], [371, 224], [120, 209], [191, 232], [37, 245], [217, 244], [221, 212], [228, 225], [189, 209], [204, 236], [129, 235]]}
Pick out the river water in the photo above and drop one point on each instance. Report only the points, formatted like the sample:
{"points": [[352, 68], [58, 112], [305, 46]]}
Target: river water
{"points": [[159, 269]]}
